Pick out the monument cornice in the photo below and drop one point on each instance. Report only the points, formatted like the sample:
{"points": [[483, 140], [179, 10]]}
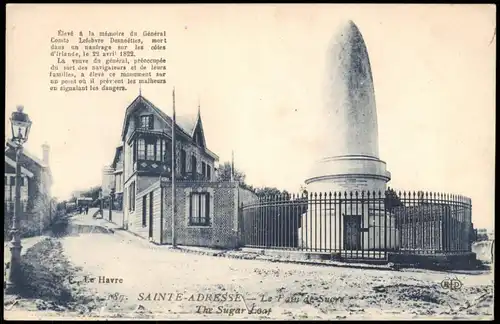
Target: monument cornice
{"points": [[347, 176], [351, 157]]}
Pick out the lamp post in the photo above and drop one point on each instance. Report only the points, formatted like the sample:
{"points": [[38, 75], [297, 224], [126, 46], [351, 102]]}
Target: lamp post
{"points": [[21, 125], [111, 201], [101, 203]]}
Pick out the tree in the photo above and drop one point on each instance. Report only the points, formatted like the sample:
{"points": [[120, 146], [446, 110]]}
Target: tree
{"points": [[392, 199], [224, 173]]}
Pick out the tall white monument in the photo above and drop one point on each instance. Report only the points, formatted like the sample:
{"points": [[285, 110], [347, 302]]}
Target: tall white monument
{"points": [[350, 156], [349, 159]]}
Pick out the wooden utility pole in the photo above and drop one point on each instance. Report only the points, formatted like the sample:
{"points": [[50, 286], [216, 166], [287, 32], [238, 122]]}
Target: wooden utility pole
{"points": [[174, 208]]}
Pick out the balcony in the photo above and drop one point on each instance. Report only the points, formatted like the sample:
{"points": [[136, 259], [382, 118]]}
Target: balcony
{"points": [[151, 167], [194, 176]]}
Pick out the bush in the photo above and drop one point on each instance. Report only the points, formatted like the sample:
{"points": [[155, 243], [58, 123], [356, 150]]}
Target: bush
{"points": [[45, 273], [60, 226]]}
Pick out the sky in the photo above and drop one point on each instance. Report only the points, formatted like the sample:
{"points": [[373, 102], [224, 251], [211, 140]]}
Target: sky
{"points": [[257, 72]]}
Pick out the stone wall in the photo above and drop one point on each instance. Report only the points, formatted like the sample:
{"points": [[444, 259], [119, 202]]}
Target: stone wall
{"points": [[222, 232]]}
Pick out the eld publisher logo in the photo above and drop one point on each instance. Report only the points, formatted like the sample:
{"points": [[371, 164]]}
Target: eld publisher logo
{"points": [[451, 284]]}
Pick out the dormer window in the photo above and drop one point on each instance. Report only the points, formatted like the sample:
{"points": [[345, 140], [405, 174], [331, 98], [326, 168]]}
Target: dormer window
{"points": [[146, 122]]}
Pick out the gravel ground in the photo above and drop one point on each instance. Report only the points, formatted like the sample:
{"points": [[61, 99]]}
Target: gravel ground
{"points": [[260, 289]]}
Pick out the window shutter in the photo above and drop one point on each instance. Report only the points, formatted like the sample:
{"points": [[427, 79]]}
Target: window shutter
{"points": [[191, 208], [151, 122], [207, 208]]}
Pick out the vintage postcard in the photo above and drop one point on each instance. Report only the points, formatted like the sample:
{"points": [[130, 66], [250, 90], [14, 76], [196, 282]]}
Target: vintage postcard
{"points": [[249, 162]]}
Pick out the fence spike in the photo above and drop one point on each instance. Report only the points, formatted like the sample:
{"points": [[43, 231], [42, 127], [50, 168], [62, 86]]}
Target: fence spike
{"points": [[379, 194], [368, 194], [330, 194], [320, 195], [356, 194]]}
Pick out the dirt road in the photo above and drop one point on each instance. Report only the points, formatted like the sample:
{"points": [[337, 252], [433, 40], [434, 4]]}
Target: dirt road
{"points": [[164, 284], [143, 280]]}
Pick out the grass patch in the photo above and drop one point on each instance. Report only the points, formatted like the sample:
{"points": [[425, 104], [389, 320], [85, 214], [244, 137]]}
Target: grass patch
{"points": [[45, 274]]}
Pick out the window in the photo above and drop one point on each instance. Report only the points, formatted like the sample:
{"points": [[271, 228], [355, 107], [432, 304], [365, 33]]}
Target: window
{"points": [[158, 150], [147, 122], [7, 189], [209, 172], [144, 211], [131, 196], [193, 164], [167, 152], [183, 162], [13, 181], [132, 157], [203, 168], [199, 209], [150, 150], [141, 149]]}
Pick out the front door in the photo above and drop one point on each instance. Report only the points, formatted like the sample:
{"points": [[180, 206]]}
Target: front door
{"points": [[352, 237]]}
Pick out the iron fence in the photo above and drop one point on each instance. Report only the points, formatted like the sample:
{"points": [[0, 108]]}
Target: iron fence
{"points": [[354, 225]]}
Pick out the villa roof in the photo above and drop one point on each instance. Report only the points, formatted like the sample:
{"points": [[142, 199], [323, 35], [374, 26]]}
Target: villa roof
{"points": [[186, 123], [9, 144]]}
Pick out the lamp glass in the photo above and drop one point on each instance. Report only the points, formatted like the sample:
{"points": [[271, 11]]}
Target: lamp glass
{"points": [[20, 130]]}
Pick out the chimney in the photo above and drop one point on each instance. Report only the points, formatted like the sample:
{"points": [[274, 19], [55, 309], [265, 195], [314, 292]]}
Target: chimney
{"points": [[46, 150]]}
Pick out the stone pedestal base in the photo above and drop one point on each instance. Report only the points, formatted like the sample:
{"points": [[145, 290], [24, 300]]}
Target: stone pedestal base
{"points": [[349, 173], [335, 229]]}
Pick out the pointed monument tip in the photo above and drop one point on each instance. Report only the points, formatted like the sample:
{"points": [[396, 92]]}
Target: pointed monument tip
{"points": [[347, 29]]}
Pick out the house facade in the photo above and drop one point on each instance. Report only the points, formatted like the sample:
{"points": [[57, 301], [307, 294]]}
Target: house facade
{"points": [[206, 208], [36, 183]]}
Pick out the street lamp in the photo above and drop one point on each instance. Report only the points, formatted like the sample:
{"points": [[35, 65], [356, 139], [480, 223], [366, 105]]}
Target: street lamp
{"points": [[21, 124], [111, 202]]}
